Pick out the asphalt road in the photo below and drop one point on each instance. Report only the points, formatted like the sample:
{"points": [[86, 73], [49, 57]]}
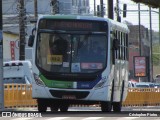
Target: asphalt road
{"points": [[83, 113]]}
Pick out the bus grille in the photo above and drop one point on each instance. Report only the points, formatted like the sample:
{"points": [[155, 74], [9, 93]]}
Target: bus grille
{"points": [[77, 94]]}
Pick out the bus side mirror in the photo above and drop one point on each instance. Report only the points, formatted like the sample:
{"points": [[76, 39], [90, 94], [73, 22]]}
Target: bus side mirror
{"points": [[31, 40], [124, 10], [116, 44]]}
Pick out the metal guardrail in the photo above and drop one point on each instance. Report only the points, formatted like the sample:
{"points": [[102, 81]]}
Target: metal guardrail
{"points": [[18, 95], [142, 97]]}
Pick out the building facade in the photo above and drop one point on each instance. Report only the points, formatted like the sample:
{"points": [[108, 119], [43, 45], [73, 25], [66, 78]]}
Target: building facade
{"points": [[134, 49]]}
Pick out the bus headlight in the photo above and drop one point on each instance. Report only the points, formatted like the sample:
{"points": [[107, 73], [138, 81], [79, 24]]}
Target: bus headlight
{"points": [[101, 83], [38, 80]]}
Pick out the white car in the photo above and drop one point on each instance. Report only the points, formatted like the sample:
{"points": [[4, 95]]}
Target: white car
{"points": [[17, 72], [145, 85], [16, 80], [131, 84]]}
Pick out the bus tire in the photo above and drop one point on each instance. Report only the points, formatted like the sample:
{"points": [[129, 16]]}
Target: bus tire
{"points": [[42, 108], [64, 108], [106, 106], [118, 105]]}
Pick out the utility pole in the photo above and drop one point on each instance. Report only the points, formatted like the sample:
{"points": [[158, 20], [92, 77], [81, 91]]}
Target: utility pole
{"points": [[139, 17], [35, 9], [139, 32], [151, 61], [55, 7], [102, 9], [1, 61], [117, 11], [22, 20], [98, 11], [95, 8], [110, 9], [159, 25]]}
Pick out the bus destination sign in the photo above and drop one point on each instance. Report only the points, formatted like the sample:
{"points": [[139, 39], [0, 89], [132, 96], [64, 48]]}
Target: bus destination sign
{"points": [[73, 25]]}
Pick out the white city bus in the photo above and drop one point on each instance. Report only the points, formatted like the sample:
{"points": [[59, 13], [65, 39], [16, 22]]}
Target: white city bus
{"points": [[67, 69]]}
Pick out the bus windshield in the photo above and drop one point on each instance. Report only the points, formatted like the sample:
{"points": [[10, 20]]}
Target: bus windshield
{"points": [[82, 53], [60, 51]]}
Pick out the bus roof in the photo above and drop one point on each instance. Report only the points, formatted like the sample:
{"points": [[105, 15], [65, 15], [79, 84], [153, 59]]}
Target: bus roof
{"points": [[59, 16]]}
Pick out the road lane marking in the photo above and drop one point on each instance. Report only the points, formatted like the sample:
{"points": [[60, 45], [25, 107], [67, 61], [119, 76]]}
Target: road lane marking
{"points": [[92, 118], [21, 118], [127, 118], [57, 118]]}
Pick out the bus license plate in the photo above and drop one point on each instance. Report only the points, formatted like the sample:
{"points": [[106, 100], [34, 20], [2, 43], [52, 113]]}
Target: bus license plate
{"points": [[69, 97]]}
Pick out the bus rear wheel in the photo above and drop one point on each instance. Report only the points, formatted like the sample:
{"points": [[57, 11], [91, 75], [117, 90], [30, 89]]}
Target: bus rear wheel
{"points": [[106, 106]]}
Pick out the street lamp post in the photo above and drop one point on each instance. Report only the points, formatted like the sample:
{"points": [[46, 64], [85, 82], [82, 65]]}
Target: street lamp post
{"points": [[95, 8], [139, 17], [151, 61], [139, 33]]}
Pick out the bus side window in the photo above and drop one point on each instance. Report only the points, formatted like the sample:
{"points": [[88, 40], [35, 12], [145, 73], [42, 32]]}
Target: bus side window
{"points": [[116, 44]]}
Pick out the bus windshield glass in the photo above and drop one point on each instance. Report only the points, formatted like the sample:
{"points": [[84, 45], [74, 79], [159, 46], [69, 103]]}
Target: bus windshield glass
{"points": [[67, 51]]}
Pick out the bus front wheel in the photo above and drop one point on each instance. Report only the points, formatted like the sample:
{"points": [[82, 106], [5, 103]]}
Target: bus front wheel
{"points": [[64, 108], [106, 106], [118, 105], [42, 108]]}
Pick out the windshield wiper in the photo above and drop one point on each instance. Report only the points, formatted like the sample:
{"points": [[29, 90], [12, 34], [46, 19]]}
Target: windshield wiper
{"points": [[97, 33]]}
